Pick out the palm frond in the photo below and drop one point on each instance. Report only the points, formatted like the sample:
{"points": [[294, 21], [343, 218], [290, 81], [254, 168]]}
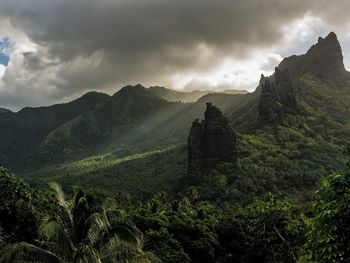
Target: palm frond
{"points": [[145, 258], [120, 244], [65, 213], [59, 195], [54, 231], [80, 212], [86, 253], [115, 251], [26, 253], [96, 224], [125, 235]]}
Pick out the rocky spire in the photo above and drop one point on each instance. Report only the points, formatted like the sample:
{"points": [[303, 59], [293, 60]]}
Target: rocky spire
{"points": [[324, 59], [211, 141]]}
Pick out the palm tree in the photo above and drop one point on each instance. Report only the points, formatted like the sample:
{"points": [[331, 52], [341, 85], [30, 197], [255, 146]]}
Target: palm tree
{"points": [[80, 232]]}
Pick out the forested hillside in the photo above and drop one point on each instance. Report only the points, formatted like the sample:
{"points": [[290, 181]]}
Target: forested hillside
{"points": [[288, 132]]}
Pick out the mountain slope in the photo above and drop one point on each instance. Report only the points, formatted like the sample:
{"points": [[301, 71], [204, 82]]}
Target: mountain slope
{"points": [[290, 130], [133, 120], [135, 174], [187, 97], [299, 117], [124, 120], [2, 110], [22, 130]]}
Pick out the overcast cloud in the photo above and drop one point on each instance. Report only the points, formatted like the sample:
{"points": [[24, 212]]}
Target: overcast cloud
{"points": [[64, 48]]}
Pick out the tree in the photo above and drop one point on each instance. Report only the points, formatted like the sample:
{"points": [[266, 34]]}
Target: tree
{"points": [[80, 231], [179, 231], [266, 231], [329, 237], [19, 218]]}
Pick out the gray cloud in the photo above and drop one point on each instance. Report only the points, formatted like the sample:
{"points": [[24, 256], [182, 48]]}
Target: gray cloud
{"points": [[85, 44]]}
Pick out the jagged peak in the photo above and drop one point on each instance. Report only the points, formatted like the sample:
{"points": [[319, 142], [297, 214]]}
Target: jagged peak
{"points": [[330, 42], [324, 60], [210, 142], [212, 112], [262, 79], [330, 37]]}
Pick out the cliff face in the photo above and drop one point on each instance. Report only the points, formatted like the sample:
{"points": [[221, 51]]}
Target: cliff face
{"points": [[211, 141], [277, 98], [323, 62]]}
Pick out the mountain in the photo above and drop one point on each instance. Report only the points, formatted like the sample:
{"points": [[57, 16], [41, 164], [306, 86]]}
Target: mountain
{"points": [[133, 120], [177, 96], [187, 97], [123, 121], [296, 119], [23, 130], [313, 83], [232, 91], [323, 61], [2, 110], [289, 130], [319, 86], [210, 142]]}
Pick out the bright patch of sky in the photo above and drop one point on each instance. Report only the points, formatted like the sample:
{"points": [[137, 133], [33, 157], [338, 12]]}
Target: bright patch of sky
{"points": [[6, 47], [238, 73], [2, 72]]}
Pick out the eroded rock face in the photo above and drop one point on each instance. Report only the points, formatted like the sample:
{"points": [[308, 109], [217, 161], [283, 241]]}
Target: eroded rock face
{"points": [[211, 141], [277, 98], [324, 60]]}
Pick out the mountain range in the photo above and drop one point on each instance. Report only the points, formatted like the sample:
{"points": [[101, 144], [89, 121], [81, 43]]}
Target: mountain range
{"points": [[290, 129], [135, 117]]}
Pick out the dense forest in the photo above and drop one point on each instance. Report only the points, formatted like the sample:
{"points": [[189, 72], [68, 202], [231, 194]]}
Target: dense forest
{"points": [[140, 176], [199, 225]]}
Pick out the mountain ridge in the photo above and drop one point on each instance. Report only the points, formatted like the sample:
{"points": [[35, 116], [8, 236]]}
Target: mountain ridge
{"points": [[136, 120]]}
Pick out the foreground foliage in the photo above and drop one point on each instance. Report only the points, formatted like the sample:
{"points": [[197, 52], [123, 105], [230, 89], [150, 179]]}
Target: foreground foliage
{"points": [[203, 223], [329, 237], [79, 231]]}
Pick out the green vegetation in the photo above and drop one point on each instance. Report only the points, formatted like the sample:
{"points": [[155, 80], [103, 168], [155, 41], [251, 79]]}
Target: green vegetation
{"points": [[329, 236], [127, 152], [79, 231], [136, 174], [189, 227]]}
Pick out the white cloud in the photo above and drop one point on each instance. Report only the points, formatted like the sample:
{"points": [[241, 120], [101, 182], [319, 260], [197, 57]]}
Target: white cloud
{"points": [[233, 73], [61, 52], [302, 29], [2, 72], [244, 73]]}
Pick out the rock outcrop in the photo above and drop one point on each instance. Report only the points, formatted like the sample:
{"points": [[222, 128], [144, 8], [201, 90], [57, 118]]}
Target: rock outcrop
{"points": [[277, 98], [323, 61], [211, 141]]}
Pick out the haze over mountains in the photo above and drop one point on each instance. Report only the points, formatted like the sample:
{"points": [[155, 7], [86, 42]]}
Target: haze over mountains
{"points": [[97, 122]]}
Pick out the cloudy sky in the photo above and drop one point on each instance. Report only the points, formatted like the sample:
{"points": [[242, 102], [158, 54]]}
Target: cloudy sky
{"points": [[55, 50]]}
